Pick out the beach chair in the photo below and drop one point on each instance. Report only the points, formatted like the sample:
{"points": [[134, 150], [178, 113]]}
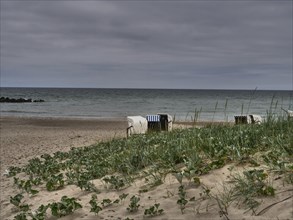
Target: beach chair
{"points": [[248, 119], [136, 125], [154, 122], [166, 121], [242, 119], [256, 119]]}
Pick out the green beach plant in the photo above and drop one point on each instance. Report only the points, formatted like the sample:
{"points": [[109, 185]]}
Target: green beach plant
{"points": [[154, 210], [154, 176], [134, 204], [40, 213], [106, 202], [21, 216], [66, 206], [115, 182], [55, 182], [12, 171], [17, 202], [249, 186], [123, 196], [26, 185], [94, 205], [182, 201]]}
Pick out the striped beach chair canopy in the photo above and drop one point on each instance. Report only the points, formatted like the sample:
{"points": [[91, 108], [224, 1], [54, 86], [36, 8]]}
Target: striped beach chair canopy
{"points": [[153, 118]]}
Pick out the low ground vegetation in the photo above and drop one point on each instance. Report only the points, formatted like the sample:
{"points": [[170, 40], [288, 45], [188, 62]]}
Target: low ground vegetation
{"points": [[185, 153]]}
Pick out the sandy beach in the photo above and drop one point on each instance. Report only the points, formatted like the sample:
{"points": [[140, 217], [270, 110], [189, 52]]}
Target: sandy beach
{"points": [[25, 138]]}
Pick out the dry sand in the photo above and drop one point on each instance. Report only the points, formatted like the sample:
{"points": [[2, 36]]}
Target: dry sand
{"points": [[25, 138]]}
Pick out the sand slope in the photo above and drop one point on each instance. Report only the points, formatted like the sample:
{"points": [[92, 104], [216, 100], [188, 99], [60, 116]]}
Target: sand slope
{"points": [[25, 138]]}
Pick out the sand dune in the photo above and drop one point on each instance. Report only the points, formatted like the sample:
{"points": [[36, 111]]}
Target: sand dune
{"points": [[25, 138]]}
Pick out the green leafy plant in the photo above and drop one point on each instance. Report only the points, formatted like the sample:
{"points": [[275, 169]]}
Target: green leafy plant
{"points": [[106, 202], [40, 213], [123, 196], [179, 177], [155, 176], [65, 207], [182, 201], [83, 182], [36, 181], [249, 186], [55, 182], [154, 210], [25, 185], [115, 181], [133, 206], [94, 205], [12, 171], [20, 216], [16, 201]]}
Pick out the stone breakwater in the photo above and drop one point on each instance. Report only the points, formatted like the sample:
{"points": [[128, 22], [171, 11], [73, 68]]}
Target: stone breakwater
{"points": [[19, 100]]}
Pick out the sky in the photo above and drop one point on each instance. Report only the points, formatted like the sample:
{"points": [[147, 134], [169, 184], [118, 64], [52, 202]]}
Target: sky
{"points": [[239, 44]]}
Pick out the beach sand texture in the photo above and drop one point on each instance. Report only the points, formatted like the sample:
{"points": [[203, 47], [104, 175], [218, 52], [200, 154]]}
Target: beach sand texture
{"points": [[25, 138]]}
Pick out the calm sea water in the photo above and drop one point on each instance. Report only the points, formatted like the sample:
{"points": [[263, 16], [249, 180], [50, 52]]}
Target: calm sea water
{"points": [[217, 105]]}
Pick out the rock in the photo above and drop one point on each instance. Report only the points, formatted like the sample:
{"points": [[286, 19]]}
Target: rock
{"points": [[39, 100], [19, 100]]}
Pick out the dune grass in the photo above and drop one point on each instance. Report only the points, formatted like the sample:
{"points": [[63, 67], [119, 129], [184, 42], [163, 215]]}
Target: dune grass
{"points": [[120, 161]]}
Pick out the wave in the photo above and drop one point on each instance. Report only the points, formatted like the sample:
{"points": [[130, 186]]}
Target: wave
{"points": [[17, 111]]}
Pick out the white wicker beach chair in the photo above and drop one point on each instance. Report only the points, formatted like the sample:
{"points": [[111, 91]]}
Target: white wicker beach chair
{"points": [[256, 119], [136, 125]]}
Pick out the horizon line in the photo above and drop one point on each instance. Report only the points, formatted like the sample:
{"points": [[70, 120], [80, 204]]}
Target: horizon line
{"points": [[51, 87]]}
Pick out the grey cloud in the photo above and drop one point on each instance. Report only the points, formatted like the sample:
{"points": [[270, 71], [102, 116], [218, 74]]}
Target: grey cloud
{"points": [[169, 44]]}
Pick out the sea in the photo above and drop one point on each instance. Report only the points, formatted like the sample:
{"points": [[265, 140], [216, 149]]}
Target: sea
{"points": [[181, 104]]}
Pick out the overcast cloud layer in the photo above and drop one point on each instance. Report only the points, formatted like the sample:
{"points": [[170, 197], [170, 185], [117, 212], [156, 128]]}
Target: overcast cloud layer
{"points": [[147, 44]]}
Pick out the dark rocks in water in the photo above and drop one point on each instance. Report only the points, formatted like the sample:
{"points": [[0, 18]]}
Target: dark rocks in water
{"points": [[39, 100], [19, 100], [13, 100]]}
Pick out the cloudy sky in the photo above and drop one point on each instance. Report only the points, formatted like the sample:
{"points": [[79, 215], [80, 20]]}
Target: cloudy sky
{"points": [[147, 44]]}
